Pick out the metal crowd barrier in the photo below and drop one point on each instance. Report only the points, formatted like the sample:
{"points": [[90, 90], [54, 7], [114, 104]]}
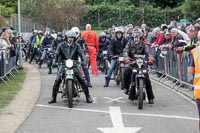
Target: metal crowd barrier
{"points": [[7, 66], [174, 68]]}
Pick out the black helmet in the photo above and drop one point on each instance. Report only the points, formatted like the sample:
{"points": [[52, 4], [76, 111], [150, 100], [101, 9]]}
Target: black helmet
{"points": [[70, 34], [136, 34], [59, 34]]}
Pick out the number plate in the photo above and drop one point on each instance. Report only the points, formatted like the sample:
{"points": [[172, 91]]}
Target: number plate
{"points": [[69, 72], [121, 58], [105, 52]]}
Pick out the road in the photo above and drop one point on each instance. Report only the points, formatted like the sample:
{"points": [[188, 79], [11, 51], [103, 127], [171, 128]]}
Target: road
{"points": [[111, 112]]}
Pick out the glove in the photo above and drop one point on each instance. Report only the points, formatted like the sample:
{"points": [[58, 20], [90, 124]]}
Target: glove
{"points": [[151, 60], [55, 65], [127, 60]]}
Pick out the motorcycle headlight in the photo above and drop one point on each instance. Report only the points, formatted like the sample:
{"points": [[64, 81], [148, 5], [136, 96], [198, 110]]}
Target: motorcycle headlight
{"points": [[49, 49], [69, 63], [121, 58]]}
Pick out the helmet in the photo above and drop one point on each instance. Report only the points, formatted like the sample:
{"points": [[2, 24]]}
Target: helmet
{"points": [[102, 34], [136, 34], [70, 34], [47, 33], [40, 32], [76, 30], [59, 34], [35, 31], [119, 29]]}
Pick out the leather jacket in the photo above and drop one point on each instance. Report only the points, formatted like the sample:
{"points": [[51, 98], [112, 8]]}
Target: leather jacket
{"points": [[72, 51]]}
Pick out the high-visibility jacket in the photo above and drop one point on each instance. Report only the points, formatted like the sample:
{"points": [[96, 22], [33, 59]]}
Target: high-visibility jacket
{"points": [[38, 41], [196, 55], [90, 38]]}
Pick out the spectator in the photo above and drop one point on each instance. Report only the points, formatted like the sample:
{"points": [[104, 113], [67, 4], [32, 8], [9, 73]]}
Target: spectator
{"points": [[190, 45], [5, 46], [196, 30], [155, 51]]}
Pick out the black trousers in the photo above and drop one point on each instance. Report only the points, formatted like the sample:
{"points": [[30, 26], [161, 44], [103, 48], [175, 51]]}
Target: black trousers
{"points": [[127, 81], [79, 78]]}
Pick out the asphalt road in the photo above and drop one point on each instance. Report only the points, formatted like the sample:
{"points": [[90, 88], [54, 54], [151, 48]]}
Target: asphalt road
{"points": [[111, 112]]}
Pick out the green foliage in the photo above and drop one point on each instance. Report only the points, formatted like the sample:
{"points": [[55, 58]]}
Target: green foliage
{"points": [[191, 9], [8, 7]]}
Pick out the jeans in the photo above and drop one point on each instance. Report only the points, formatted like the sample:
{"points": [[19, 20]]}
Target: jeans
{"points": [[112, 67]]}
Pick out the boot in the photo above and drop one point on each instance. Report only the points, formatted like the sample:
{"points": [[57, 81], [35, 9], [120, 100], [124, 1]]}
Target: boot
{"points": [[107, 80], [40, 63], [87, 95], [54, 94], [88, 99], [50, 71], [89, 84]]}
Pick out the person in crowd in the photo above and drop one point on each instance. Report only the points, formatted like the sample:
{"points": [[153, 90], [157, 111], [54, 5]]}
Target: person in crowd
{"points": [[54, 46], [103, 45], [45, 43], [13, 42], [91, 39], [188, 45], [196, 30], [4, 41], [116, 47], [193, 68], [37, 41], [28, 53], [84, 49], [137, 46], [69, 48], [155, 49]]}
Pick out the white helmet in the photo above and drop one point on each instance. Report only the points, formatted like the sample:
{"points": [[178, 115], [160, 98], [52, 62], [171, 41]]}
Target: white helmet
{"points": [[76, 30]]}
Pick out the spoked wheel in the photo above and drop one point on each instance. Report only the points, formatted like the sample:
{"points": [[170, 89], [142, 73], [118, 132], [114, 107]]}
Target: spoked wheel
{"points": [[70, 93], [106, 67], [122, 78], [140, 93]]}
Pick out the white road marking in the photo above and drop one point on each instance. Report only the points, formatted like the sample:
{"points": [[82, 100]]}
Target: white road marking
{"points": [[115, 100], [132, 114], [118, 126]]}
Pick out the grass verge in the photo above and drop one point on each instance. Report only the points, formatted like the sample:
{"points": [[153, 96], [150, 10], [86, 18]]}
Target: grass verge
{"points": [[8, 92]]}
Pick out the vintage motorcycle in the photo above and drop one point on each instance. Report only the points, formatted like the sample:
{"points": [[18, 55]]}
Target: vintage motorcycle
{"points": [[138, 78], [70, 88]]}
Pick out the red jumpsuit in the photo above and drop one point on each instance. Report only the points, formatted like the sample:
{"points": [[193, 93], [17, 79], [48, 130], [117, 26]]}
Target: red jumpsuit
{"points": [[91, 39]]}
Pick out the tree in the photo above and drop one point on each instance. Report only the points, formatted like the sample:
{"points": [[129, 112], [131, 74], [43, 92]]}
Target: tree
{"points": [[7, 8], [191, 9]]}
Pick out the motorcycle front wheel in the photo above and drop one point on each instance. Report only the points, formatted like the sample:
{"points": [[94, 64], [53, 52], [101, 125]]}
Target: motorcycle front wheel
{"points": [[140, 93], [70, 93]]}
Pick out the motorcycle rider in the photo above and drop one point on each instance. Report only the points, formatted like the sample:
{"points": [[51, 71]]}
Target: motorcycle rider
{"points": [[69, 49], [116, 47], [103, 45], [35, 43], [84, 48], [47, 41], [54, 46], [136, 46], [35, 32]]}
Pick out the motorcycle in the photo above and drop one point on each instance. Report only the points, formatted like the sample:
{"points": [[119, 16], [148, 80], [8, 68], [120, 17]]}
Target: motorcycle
{"points": [[119, 69], [103, 61], [70, 88], [138, 73]]}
